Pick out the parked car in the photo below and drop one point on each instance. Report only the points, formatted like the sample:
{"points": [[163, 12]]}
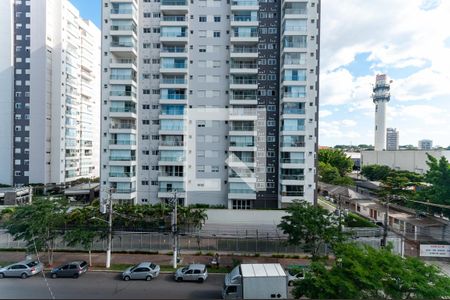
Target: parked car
{"points": [[23, 269], [193, 272], [295, 272], [72, 269], [144, 270]]}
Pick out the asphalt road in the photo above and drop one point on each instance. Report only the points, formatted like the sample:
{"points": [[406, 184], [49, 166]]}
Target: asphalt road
{"points": [[100, 285]]}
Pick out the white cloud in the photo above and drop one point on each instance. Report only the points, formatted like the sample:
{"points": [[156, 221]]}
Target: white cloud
{"points": [[324, 113]]}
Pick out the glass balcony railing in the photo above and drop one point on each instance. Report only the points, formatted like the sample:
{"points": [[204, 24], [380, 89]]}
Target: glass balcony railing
{"points": [[245, 34], [122, 158], [242, 144], [296, 28], [168, 158], [244, 18], [242, 111], [294, 11], [294, 111], [174, 2], [173, 80], [295, 78], [242, 191], [122, 94], [173, 34], [174, 49], [244, 81], [122, 11], [123, 109], [293, 177], [293, 194], [122, 77], [123, 28], [172, 143], [292, 161], [124, 191], [171, 189], [122, 142], [173, 18], [242, 128], [243, 65], [173, 97], [174, 65], [242, 159], [123, 126], [244, 49], [293, 128], [124, 45], [293, 144], [294, 95], [244, 3], [171, 174], [122, 174]]}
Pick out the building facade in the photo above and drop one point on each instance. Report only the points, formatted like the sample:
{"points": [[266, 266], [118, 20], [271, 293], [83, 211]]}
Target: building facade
{"points": [[392, 139], [216, 100], [425, 144], [55, 88]]}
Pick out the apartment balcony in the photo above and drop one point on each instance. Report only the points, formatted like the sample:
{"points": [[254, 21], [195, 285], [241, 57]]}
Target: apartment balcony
{"points": [[122, 177], [123, 96], [123, 30], [294, 30], [243, 51], [180, 83], [124, 194], [172, 145], [244, 84], [244, 5], [174, 68], [171, 162], [123, 49], [122, 128], [174, 6], [174, 37], [293, 81], [243, 101], [173, 51], [242, 130], [126, 63], [240, 20], [242, 147], [244, 68], [125, 161], [292, 146], [244, 37], [173, 20], [123, 14], [123, 79], [244, 114], [122, 112], [168, 193]]}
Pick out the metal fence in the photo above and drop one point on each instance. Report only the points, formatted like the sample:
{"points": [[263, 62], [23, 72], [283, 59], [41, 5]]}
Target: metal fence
{"points": [[153, 242]]}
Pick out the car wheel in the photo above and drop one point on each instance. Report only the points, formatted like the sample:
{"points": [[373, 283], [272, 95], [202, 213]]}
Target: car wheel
{"points": [[179, 279], [2, 275], [200, 280], [24, 276], [148, 278], [126, 278], [54, 275], [76, 275]]}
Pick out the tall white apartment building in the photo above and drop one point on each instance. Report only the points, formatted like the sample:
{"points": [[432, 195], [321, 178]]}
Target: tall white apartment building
{"points": [[425, 144], [51, 80], [216, 100], [392, 139]]}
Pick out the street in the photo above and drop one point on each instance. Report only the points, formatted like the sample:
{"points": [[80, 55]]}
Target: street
{"points": [[101, 285]]}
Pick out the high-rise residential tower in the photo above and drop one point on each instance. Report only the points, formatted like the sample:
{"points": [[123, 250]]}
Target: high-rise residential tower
{"points": [[381, 97], [51, 88], [214, 99], [392, 139]]}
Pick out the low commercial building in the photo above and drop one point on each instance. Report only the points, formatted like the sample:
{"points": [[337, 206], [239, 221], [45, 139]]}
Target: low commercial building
{"points": [[409, 160], [14, 196]]}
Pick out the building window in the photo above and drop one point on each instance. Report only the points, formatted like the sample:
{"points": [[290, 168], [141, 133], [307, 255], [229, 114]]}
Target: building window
{"points": [[217, 19], [202, 19], [242, 204], [216, 34]]}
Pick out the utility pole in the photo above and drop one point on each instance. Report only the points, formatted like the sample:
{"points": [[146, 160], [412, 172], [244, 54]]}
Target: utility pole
{"points": [[110, 223], [386, 219], [174, 230]]}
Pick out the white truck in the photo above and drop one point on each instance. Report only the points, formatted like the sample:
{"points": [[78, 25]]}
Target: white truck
{"points": [[256, 281]]}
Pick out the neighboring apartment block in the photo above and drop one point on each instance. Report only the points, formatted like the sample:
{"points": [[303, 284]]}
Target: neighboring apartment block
{"points": [[214, 99], [51, 86], [425, 144], [392, 139]]}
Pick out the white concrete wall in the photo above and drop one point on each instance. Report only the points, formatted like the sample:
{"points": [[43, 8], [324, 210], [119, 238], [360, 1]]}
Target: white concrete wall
{"points": [[247, 217], [414, 161], [6, 90]]}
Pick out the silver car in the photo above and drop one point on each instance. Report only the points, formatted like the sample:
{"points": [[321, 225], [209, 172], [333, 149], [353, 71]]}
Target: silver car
{"points": [[22, 269], [193, 272], [144, 270]]}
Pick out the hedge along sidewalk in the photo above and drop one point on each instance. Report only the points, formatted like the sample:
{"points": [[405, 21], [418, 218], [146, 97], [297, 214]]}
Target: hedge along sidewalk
{"points": [[123, 260]]}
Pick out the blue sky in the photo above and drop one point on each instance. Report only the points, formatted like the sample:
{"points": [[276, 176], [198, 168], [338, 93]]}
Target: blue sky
{"points": [[408, 40]]}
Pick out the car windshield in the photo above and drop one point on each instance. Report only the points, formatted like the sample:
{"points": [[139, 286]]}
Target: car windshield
{"points": [[184, 269], [83, 264], [32, 264], [153, 266]]}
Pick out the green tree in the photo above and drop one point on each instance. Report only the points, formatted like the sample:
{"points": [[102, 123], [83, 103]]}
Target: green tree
{"points": [[311, 226], [85, 225], [39, 224], [362, 272], [191, 218], [336, 158], [327, 172]]}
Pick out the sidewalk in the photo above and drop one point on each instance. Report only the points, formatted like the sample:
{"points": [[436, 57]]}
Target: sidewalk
{"points": [[98, 259]]}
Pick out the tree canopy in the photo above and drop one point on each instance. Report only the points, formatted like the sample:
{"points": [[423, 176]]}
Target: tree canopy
{"points": [[311, 226], [362, 272], [336, 158]]}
